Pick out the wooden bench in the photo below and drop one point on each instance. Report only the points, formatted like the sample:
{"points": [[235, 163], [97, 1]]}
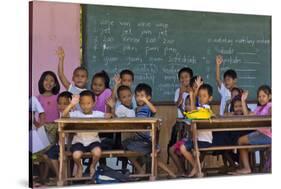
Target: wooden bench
{"points": [[228, 123]]}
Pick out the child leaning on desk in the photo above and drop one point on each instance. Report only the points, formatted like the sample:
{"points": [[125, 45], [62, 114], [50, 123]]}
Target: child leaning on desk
{"points": [[261, 136]]}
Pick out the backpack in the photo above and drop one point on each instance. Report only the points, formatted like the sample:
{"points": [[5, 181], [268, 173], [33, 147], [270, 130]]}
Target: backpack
{"points": [[107, 175], [179, 131]]}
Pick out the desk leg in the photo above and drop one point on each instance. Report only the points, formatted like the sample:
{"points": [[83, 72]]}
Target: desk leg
{"points": [[196, 148], [62, 179], [153, 154]]}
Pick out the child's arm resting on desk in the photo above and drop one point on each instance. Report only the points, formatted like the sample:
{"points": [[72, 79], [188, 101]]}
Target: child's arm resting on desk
{"points": [[73, 103], [150, 105], [219, 61], [63, 79]]}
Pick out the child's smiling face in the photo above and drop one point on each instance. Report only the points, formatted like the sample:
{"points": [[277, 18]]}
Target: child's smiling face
{"points": [[80, 78], [87, 104], [49, 83], [98, 85], [204, 97], [127, 80], [263, 98], [125, 97], [229, 82], [237, 107], [63, 102], [185, 79], [140, 95]]}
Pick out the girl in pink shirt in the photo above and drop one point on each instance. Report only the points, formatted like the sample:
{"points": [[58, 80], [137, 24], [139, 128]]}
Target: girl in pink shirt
{"points": [[261, 136], [100, 87], [49, 87]]}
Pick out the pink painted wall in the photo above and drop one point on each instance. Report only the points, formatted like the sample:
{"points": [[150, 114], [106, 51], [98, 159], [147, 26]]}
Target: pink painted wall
{"points": [[54, 24]]}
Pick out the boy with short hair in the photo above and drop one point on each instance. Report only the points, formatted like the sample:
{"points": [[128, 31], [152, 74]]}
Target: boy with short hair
{"points": [[79, 78], [85, 142], [225, 86], [205, 138], [126, 78]]}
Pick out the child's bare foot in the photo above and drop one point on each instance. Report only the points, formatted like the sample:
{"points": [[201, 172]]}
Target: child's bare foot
{"points": [[193, 172], [243, 171], [79, 172]]}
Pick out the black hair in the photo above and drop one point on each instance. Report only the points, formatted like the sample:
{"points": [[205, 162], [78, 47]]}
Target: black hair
{"points": [[104, 76], [55, 89], [235, 99], [88, 93], [239, 90], [144, 87], [187, 70], [230, 73], [64, 94], [122, 88], [128, 72], [266, 89], [207, 87], [81, 68], [193, 79]]}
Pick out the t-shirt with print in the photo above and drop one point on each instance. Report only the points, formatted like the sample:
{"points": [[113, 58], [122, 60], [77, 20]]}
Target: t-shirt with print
{"points": [[205, 136], [225, 96], [184, 95], [86, 138]]}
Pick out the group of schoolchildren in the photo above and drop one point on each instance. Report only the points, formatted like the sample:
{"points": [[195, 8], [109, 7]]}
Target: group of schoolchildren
{"points": [[122, 101]]}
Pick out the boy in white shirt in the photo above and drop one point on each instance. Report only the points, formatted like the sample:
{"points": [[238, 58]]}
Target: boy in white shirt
{"points": [[85, 142], [225, 86], [205, 95]]}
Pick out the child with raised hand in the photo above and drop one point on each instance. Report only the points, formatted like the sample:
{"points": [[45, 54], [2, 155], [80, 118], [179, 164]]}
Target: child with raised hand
{"points": [[184, 75], [205, 138], [49, 87], [126, 78], [85, 142], [234, 92], [141, 141], [225, 86], [79, 78], [261, 136]]}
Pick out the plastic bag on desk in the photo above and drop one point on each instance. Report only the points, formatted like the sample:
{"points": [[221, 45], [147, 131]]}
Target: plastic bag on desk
{"points": [[201, 113]]}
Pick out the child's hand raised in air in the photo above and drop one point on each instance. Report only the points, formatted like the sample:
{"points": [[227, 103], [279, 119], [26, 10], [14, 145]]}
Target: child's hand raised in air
{"points": [[75, 100], [117, 79], [244, 95], [219, 59], [198, 81], [110, 102], [60, 53]]}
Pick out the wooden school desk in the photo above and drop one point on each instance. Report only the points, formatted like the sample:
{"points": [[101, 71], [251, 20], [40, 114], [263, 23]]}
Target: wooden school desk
{"points": [[115, 125], [227, 123]]}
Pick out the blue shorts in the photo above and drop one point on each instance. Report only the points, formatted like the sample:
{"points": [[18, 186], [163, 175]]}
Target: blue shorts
{"points": [[53, 152], [201, 144], [81, 147], [257, 137]]}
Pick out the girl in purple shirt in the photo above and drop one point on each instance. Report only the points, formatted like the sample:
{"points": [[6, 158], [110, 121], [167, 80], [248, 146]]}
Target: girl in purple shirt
{"points": [[261, 136]]}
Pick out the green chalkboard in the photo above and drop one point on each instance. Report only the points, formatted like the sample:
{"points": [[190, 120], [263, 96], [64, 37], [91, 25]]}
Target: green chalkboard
{"points": [[156, 43]]}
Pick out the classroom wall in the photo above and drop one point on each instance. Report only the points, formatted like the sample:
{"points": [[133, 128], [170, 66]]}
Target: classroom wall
{"points": [[53, 25]]}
